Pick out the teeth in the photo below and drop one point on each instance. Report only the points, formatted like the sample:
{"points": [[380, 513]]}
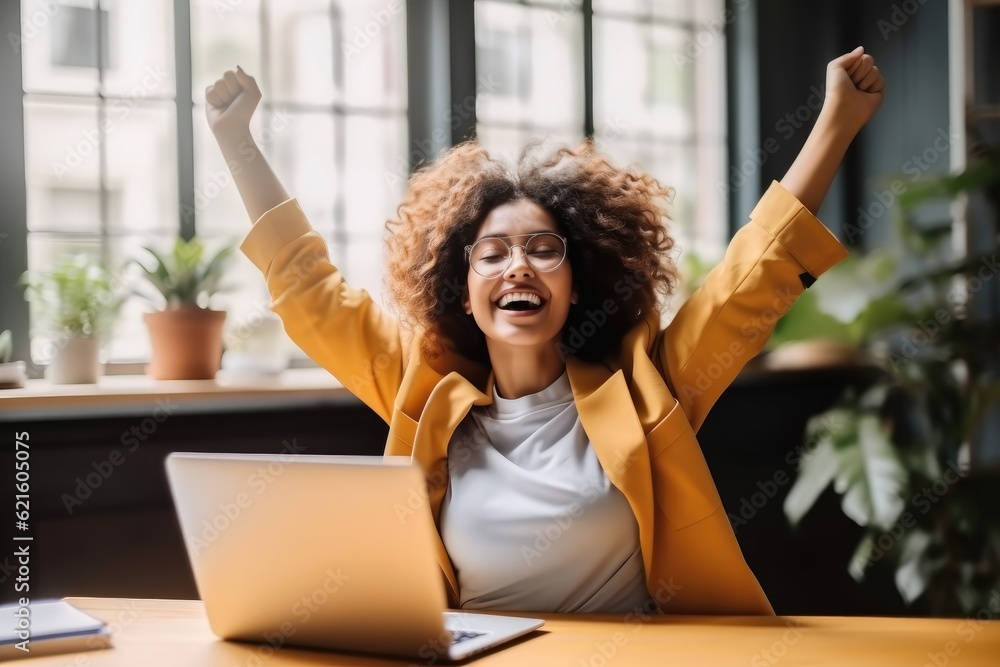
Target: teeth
{"points": [[533, 299]]}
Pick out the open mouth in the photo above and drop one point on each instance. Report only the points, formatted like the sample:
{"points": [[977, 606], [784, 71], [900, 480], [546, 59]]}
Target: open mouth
{"points": [[520, 301]]}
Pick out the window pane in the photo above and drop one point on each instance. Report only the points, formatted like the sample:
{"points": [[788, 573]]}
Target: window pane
{"points": [[224, 35], [666, 113], [635, 7], [142, 166], [363, 264], [62, 167], [139, 54], [506, 143], [372, 53], [59, 46], [712, 196], [640, 84], [75, 33], [301, 43], [669, 10], [501, 141], [713, 15], [375, 149], [302, 150], [677, 10], [533, 65]]}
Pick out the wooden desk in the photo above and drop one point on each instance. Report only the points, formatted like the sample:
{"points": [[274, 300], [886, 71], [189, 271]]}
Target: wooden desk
{"points": [[175, 633]]}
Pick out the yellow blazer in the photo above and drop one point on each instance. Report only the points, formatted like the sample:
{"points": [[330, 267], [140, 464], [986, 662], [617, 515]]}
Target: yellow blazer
{"points": [[641, 408]]}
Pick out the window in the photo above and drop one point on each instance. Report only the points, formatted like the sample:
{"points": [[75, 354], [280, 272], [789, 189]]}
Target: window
{"points": [[100, 138], [111, 153], [657, 78], [332, 123], [533, 55], [103, 165]]}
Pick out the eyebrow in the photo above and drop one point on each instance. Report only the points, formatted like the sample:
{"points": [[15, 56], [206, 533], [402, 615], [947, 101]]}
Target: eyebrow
{"points": [[514, 236]]}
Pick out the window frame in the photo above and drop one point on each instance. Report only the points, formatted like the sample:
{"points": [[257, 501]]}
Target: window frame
{"points": [[440, 55], [14, 242]]}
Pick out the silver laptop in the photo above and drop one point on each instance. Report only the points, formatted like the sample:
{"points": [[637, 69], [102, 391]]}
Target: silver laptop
{"points": [[328, 552]]}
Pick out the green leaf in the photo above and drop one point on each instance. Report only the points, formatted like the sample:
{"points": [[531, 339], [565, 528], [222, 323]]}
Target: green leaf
{"points": [[913, 572], [870, 476], [212, 273], [804, 321], [74, 297], [5, 346], [863, 557], [947, 187], [816, 471], [183, 277], [880, 314]]}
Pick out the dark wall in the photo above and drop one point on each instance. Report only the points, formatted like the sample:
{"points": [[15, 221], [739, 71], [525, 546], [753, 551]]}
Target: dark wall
{"points": [[793, 41], [102, 519]]}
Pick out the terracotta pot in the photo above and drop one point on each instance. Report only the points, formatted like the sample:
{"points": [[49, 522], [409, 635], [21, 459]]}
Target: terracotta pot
{"points": [[187, 343]]}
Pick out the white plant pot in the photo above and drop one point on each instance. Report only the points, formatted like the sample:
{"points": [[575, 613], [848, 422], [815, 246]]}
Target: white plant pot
{"points": [[76, 360], [13, 375]]}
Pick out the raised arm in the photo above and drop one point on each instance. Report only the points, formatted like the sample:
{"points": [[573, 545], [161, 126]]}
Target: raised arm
{"points": [[340, 327], [853, 95], [230, 103], [773, 259]]}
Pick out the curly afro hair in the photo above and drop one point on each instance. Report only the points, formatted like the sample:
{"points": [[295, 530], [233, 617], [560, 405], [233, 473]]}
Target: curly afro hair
{"points": [[614, 218]]}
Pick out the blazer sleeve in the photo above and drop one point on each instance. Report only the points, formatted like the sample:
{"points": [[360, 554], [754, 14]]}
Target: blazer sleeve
{"points": [[341, 328], [727, 320]]}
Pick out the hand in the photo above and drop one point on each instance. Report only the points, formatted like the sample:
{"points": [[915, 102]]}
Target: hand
{"points": [[229, 104], [853, 88]]}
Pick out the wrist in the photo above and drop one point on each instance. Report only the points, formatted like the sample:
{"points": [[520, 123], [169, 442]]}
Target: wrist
{"points": [[238, 145], [837, 124]]}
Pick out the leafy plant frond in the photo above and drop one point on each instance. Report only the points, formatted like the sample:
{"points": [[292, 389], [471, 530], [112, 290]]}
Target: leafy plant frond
{"points": [[183, 277], [891, 451], [75, 297], [869, 477]]}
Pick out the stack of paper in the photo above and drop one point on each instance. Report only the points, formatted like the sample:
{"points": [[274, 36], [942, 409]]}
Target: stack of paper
{"points": [[47, 627]]}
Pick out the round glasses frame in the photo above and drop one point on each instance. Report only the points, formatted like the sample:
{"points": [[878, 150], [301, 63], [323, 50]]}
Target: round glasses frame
{"points": [[510, 252]]}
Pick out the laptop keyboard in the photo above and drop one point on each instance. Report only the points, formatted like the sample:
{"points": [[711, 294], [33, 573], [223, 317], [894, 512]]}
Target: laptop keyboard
{"points": [[459, 636]]}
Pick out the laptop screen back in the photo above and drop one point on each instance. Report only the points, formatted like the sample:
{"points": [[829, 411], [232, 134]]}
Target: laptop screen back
{"points": [[321, 551]]}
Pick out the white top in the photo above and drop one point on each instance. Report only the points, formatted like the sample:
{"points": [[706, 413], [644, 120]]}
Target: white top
{"points": [[530, 520]]}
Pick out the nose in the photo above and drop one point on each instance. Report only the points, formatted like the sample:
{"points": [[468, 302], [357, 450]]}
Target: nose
{"points": [[519, 266]]}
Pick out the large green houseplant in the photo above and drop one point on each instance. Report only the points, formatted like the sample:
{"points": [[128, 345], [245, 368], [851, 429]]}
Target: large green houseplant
{"points": [[898, 451], [186, 334], [76, 302]]}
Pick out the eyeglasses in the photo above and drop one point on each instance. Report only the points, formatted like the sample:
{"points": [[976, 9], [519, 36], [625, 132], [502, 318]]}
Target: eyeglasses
{"points": [[491, 256]]}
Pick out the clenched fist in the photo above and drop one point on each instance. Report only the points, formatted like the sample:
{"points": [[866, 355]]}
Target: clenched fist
{"points": [[229, 104], [853, 88]]}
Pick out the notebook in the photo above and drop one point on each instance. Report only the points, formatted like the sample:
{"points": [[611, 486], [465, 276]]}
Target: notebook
{"points": [[326, 552], [46, 627]]}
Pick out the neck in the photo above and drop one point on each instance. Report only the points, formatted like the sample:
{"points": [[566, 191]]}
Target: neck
{"points": [[520, 371]]}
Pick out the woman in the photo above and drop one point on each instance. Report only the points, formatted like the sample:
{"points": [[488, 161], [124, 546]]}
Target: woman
{"points": [[529, 374]]}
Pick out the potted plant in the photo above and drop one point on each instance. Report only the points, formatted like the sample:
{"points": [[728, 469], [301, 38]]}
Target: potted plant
{"points": [[186, 334], [901, 452], [12, 373], [78, 304]]}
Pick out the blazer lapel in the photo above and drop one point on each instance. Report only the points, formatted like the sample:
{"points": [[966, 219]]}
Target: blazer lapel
{"points": [[446, 406], [610, 421]]}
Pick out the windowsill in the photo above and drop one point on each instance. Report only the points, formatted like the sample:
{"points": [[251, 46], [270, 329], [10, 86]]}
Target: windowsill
{"points": [[118, 395]]}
